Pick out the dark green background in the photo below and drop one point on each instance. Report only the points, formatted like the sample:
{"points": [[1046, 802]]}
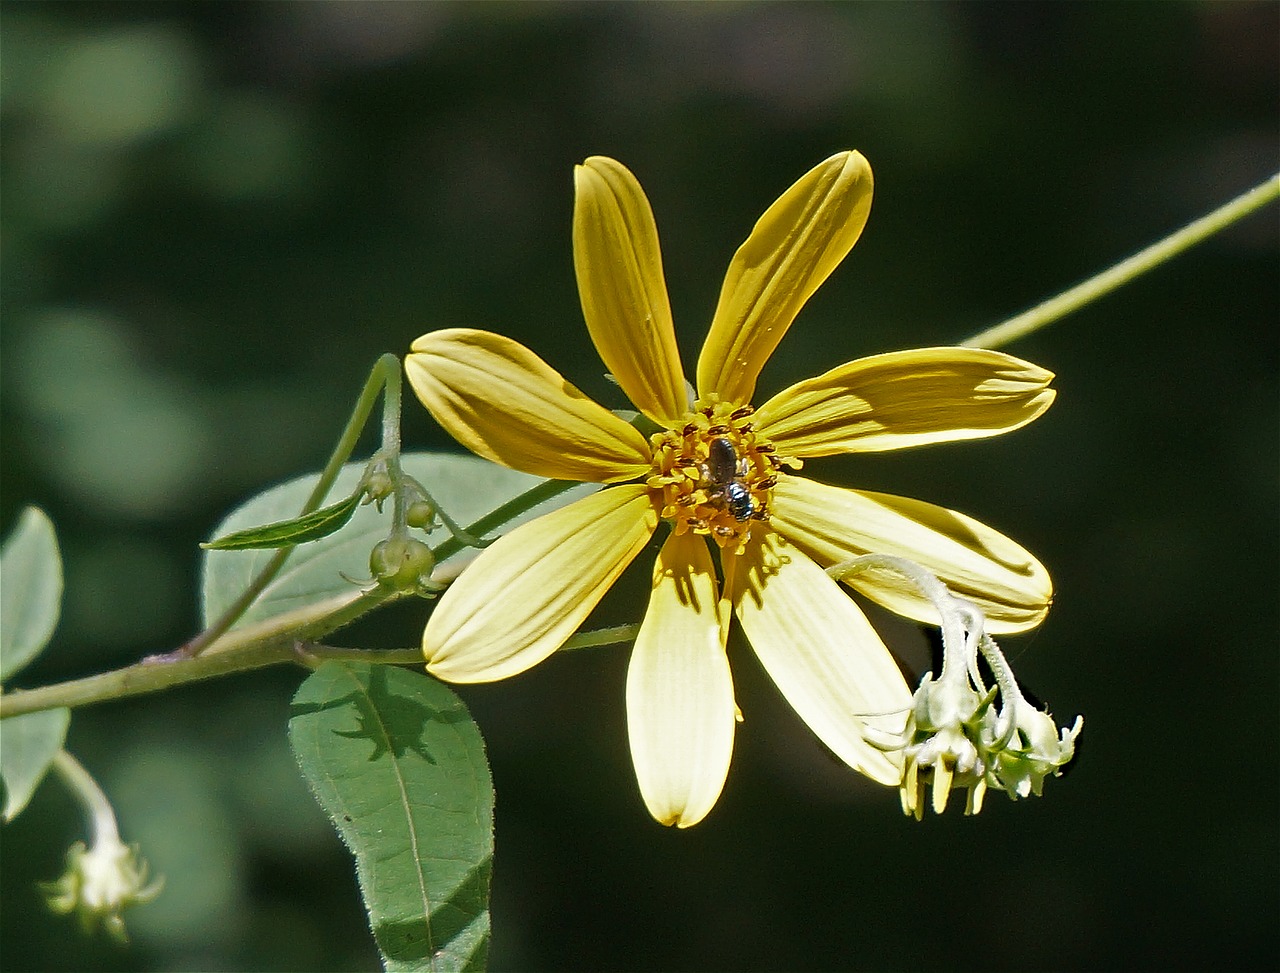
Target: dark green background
{"points": [[217, 216]]}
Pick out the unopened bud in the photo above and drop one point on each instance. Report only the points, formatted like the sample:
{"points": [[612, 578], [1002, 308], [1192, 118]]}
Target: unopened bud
{"points": [[420, 514], [401, 563]]}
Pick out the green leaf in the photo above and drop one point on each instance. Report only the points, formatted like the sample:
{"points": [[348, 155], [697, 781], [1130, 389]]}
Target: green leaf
{"points": [[396, 761], [309, 527], [30, 743], [30, 590], [467, 487]]}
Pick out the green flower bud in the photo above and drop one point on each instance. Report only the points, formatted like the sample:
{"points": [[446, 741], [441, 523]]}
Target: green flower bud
{"points": [[401, 563], [377, 486], [421, 514]]}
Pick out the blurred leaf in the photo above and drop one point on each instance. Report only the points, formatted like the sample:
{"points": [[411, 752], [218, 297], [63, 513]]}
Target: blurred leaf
{"points": [[310, 527], [396, 761], [30, 590], [465, 486], [30, 742]]}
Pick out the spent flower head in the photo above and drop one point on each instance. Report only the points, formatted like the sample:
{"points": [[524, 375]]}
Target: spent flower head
{"points": [[956, 736], [1037, 749], [100, 883], [106, 876], [944, 744], [721, 474]]}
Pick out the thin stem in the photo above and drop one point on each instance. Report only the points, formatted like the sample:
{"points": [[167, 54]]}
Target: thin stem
{"points": [[391, 441], [459, 533], [510, 510], [1104, 283], [387, 365], [102, 819], [957, 617], [1010, 694]]}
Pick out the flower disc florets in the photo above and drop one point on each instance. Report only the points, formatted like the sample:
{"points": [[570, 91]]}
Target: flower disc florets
{"points": [[714, 474]]}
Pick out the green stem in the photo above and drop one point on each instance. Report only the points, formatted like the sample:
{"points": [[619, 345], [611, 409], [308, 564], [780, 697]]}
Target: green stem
{"points": [[390, 366], [602, 636], [1104, 283], [386, 370], [275, 640], [508, 511], [165, 672]]}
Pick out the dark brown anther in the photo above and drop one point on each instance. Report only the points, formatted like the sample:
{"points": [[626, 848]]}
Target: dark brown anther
{"points": [[719, 430], [742, 412]]}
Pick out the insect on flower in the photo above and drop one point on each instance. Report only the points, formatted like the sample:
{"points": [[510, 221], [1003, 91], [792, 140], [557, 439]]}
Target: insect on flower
{"points": [[723, 475]]}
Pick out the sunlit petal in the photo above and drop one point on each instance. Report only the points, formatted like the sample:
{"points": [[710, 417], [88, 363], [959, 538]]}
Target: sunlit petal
{"points": [[522, 597], [624, 295], [504, 403], [906, 398], [820, 650], [832, 524], [792, 249], [680, 708]]}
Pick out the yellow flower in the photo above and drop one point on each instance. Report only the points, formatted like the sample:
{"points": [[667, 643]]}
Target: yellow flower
{"points": [[721, 475]]}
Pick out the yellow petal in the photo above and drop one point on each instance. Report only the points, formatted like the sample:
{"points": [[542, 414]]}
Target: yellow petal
{"points": [[504, 403], [820, 650], [794, 247], [522, 597], [680, 708], [623, 292], [832, 524], [906, 398]]}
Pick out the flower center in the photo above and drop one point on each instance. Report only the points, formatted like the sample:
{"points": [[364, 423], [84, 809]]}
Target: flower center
{"points": [[713, 474]]}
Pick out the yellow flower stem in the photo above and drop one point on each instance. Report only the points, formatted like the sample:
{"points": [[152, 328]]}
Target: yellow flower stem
{"points": [[1104, 283]]}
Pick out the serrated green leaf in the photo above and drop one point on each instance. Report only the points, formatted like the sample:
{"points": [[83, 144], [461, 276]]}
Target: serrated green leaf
{"points": [[30, 590], [467, 487], [396, 761], [27, 744], [298, 530]]}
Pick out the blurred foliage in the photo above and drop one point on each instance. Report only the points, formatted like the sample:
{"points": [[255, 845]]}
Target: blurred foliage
{"points": [[214, 218]]}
